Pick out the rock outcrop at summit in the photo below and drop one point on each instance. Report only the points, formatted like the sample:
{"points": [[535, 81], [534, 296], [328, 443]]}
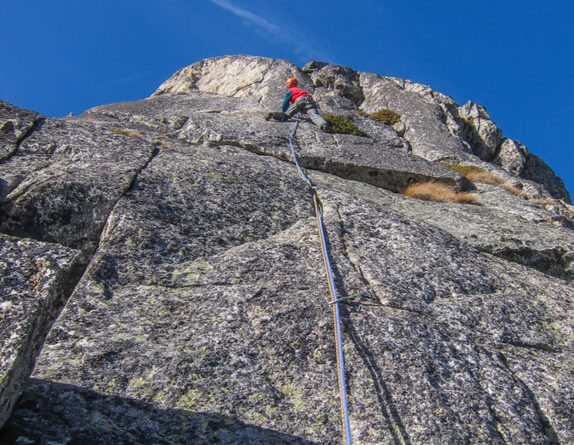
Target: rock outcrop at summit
{"points": [[162, 279]]}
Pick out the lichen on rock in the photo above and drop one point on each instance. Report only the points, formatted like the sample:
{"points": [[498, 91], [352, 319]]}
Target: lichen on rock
{"points": [[167, 252]]}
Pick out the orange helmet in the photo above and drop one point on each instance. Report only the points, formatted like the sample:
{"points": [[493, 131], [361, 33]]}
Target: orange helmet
{"points": [[291, 82]]}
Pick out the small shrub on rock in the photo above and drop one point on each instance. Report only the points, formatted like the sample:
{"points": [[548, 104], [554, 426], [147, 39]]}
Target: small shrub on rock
{"points": [[386, 116], [433, 191], [342, 125]]}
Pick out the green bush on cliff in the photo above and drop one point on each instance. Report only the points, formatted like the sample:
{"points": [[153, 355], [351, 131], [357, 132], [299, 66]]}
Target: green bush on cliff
{"points": [[384, 115], [343, 125]]}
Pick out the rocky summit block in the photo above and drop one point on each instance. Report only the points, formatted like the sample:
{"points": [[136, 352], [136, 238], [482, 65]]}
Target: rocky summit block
{"points": [[183, 242], [15, 123]]}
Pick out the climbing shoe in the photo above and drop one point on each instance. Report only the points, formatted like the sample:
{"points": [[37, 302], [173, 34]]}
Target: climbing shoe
{"points": [[268, 116]]}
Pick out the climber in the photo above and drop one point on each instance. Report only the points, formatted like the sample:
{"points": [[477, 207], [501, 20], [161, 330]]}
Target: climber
{"points": [[298, 101]]}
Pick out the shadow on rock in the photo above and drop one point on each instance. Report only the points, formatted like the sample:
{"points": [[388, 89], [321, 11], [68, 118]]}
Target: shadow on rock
{"points": [[50, 412]]}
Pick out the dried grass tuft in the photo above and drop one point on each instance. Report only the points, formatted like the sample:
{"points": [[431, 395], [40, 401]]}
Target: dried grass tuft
{"points": [[477, 174], [485, 177], [514, 190], [437, 192], [130, 133]]}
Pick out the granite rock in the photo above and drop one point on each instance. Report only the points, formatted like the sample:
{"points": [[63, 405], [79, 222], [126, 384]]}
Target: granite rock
{"points": [[35, 281], [512, 156], [482, 134], [15, 123], [183, 242]]}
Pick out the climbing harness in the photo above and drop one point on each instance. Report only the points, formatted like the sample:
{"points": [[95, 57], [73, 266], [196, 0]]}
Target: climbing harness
{"points": [[335, 301]]}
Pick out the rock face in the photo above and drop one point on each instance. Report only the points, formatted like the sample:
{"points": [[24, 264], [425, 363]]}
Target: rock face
{"points": [[36, 279], [183, 243]]}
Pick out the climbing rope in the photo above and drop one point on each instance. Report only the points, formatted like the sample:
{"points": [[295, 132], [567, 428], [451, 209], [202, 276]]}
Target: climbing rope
{"points": [[334, 302]]}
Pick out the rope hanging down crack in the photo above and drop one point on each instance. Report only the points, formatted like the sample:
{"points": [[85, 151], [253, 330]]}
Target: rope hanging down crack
{"points": [[334, 302]]}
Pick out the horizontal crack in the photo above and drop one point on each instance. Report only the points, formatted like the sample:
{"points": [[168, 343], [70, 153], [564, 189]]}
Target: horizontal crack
{"points": [[556, 262], [386, 178], [535, 346]]}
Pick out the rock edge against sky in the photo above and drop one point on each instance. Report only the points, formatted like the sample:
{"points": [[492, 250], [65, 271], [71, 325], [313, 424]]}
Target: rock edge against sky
{"points": [[162, 258]]}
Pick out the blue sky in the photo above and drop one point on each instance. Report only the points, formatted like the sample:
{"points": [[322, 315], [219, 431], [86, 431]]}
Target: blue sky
{"points": [[514, 57]]}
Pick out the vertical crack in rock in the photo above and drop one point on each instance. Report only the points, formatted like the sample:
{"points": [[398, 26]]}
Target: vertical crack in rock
{"points": [[548, 430], [41, 306], [15, 125], [64, 192], [154, 153], [36, 280], [27, 133], [263, 78], [387, 406], [356, 266]]}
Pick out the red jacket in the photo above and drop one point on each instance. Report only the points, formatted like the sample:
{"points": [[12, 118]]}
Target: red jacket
{"points": [[292, 95], [296, 93]]}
